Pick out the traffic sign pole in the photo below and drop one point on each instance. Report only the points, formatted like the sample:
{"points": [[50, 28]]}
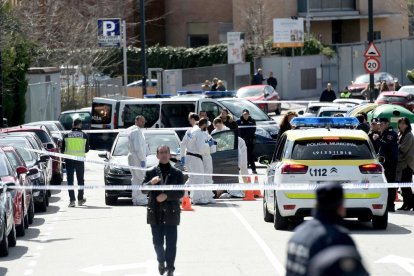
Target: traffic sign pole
{"points": [[124, 47], [371, 39]]}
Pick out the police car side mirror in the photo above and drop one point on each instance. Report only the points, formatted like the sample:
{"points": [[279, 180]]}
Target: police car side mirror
{"points": [[104, 155], [264, 160], [381, 159], [301, 112]]}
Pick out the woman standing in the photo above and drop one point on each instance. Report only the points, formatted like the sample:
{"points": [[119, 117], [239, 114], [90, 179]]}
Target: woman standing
{"points": [[405, 161], [285, 123]]}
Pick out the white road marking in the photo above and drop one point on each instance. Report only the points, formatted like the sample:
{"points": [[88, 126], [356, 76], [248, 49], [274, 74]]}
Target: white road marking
{"points": [[405, 263], [280, 269], [151, 268], [32, 263], [28, 272], [40, 247]]}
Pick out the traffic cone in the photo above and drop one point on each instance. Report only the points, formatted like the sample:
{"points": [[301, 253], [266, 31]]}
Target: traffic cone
{"points": [[186, 204], [249, 194], [257, 193]]}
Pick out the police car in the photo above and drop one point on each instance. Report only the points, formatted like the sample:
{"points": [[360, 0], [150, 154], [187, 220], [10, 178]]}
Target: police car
{"points": [[317, 151]]}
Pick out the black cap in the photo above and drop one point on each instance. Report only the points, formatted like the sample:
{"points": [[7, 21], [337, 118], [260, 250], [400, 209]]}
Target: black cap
{"points": [[384, 120], [329, 196], [374, 121], [245, 110], [337, 260]]}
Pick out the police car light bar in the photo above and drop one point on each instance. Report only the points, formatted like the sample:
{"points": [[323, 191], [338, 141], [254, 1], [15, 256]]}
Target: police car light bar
{"points": [[152, 96], [324, 122], [190, 92], [209, 94]]}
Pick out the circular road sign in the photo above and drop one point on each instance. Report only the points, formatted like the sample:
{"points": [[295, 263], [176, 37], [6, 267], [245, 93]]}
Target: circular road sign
{"points": [[372, 65]]}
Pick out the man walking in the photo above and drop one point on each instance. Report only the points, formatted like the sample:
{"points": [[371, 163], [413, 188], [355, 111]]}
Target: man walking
{"points": [[247, 130], [137, 157], [75, 143], [163, 213], [328, 95], [324, 231], [258, 77], [272, 81]]}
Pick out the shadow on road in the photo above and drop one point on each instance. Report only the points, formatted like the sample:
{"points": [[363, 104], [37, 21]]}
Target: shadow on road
{"points": [[357, 227], [15, 253], [94, 207]]}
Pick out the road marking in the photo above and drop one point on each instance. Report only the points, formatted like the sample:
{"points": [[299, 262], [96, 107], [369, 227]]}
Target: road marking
{"points": [[151, 268], [28, 272], [280, 269], [32, 263], [405, 263]]}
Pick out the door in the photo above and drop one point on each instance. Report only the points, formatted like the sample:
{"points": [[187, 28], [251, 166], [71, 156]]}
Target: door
{"points": [[225, 159]]}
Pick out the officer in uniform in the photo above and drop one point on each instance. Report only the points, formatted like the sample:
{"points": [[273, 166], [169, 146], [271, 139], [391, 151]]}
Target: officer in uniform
{"points": [[324, 231], [388, 148], [75, 143], [374, 131]]}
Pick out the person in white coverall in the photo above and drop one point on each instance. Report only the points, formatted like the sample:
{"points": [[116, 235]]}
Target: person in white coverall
{"points": [[193, 119], [208, 162], [137, 157], [197, 147]]}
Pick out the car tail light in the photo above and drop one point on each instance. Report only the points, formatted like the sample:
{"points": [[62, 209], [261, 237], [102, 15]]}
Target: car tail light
{"points": [[330, 139], [289, 207], [377, 206], [370, 169], [294, 169]]}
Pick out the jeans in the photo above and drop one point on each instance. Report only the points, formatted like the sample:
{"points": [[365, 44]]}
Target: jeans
{"points": [[79, 167], [169, 233], [250, 155]]}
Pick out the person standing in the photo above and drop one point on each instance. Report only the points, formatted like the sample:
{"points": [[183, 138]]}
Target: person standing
{"points": [[258, 77], [227, 119], [328, 95], [247, 131], [272, 81], [285, 123], [163, 213], [214, 86], [193, 119], [346, 94], [405, 164], [324, 231], [208, 161], [374, 131], [206, 86], [220, 86], [137, 157], [363, 125], [203, 114], [75, 143], [388, 148]]}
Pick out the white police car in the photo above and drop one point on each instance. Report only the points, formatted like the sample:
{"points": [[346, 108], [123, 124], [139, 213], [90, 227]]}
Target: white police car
{"points": [[318, 151]]}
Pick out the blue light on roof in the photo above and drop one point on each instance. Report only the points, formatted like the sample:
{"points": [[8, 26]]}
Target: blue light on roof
{"points": [[190, 92], [324, 122], [152, 96], [208, 94]]}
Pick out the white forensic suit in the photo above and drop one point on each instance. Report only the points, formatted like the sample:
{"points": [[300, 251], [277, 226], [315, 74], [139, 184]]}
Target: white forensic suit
{"points": [[137, 156], [196, 148], [208, 165]]}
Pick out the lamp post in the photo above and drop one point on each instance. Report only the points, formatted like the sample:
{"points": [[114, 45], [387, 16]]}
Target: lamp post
{"points": [[143, 56], [371, 39]]}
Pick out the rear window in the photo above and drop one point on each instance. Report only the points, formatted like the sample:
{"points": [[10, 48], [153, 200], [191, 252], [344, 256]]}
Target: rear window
{"points": [[176, 114], [43, 136], [393, 99], [151, 112], [330, 113], [67, 119], [101, 113], [331, 150]]}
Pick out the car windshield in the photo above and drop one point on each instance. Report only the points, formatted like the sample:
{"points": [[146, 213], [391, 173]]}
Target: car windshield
{"points": [[237, 107], [250, 91], [20, 146], [331, 113], [4, 171], [365, 78], [153, 140], [392, 99], [331, 150], [407, 89]]}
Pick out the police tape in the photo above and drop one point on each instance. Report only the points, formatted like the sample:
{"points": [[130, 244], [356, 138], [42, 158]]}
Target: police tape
{"points": [[227, 187]]}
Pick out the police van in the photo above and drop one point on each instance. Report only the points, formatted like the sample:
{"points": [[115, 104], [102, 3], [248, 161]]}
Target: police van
{"points": [[172, 112], [318, 151]]}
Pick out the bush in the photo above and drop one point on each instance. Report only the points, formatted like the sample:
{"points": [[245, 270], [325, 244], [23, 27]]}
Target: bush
{"points": [[410, 75]]}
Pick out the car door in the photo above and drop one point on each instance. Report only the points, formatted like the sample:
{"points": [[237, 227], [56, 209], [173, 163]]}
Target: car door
{"points": [[225, 159], [271, 171]]}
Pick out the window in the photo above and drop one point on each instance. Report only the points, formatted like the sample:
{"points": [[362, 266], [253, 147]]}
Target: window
{"points": [[279, 149], [197, 34], [176, 114], [236, 108], [195, 41], [151, 112], [331, 150], [213, 110], [226, 140], [308, 79], [4, 166], [101, 113], [67, 119], [154, 140], [12, 158], [224, 28], [121, 148]]}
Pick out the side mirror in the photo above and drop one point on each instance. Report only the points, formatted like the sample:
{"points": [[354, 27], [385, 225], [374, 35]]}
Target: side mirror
{"points": [[33, 171], [44, 158], [264, 160], [21, 170], [49, 146], [301, 112], [104, 155], [381, 159]]}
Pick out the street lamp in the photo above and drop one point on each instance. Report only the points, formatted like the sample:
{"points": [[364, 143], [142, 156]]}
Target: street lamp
{"points": [[143, 56]]}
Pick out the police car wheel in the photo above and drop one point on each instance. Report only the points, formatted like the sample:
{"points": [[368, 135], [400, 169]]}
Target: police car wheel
{"points": [[110, 200], [380, 222], [279, 222], [268, 217]]}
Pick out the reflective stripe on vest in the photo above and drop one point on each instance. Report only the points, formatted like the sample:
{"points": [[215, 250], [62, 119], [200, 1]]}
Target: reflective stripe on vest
{"points": [[75, 146]]}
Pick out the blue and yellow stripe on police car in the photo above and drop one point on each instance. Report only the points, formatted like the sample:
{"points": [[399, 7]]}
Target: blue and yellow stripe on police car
{"points": [[346, 196]]}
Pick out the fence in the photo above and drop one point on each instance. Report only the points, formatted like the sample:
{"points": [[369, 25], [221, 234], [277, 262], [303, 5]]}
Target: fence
{"points": [[43, 102]]}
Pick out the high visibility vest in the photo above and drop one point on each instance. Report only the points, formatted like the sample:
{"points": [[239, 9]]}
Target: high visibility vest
{"points": [[75, 145], [346, 94]]}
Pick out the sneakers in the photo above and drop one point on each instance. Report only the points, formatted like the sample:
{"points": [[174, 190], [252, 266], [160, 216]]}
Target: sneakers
{"points": [[72, 204], [81, 202]]}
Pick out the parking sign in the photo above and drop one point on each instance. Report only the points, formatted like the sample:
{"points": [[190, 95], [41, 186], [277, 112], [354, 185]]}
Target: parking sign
{"points": [[109, 33]]}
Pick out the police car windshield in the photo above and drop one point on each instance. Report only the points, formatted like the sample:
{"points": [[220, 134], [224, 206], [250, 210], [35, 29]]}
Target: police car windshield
{"points": [[237, 107], [331, 150]]}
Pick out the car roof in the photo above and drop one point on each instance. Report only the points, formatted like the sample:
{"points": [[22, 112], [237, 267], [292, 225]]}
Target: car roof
{"points": [[254, 86], [151, 131], [321, 104], [334, 108], [317, 133], [83, 109], [395, 93]]}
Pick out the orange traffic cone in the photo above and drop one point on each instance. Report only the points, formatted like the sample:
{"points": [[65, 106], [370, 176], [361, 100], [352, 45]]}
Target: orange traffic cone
{"points": [[186, 204], [257, 193], [249, 194]]}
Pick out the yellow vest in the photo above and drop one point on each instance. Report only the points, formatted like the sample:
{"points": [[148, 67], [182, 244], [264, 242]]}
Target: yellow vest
{"points": [[75, 146]]}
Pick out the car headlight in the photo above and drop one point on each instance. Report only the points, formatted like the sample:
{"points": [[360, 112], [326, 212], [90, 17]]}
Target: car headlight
{"points": [[264, 133]]}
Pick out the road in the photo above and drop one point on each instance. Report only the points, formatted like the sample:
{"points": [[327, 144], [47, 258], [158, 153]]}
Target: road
{"points": [[228, 238]]}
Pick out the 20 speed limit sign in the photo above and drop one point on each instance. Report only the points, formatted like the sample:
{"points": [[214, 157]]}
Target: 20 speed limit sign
{"points": [[372, 65]]}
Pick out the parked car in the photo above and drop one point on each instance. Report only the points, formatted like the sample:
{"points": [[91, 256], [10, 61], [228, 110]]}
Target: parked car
{"points": [[256, 93], [34, 163], [330, 111], [45, 136], [351, 102], [226, 158], [67, 117], [7, 227], [362, 81], [398, 98], [55, 128], [407, 89], [313, 108]]}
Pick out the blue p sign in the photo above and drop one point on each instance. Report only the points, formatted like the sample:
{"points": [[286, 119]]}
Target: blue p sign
{"points": [[109, 32], [108, 28]]}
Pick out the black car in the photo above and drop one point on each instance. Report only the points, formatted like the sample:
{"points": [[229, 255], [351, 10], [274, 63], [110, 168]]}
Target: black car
{"points": [[7, 228], [225, 160]]}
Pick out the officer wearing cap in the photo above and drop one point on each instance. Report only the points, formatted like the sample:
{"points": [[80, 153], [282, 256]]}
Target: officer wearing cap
{"points": [[388, 148], [374, 131], [324, 231]]}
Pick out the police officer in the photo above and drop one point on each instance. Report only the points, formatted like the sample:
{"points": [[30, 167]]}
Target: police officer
{"points": [[75, 143], [374, 131], [247, 130], [388, 148], [346, 94], [324, 231]]}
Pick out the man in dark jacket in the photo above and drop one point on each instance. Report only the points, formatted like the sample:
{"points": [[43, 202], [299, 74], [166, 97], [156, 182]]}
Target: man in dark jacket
{"points": [[272, 81], [163, 212], [247, 131], [328, 95], [374, 133], [324, 231], [258, 77]]}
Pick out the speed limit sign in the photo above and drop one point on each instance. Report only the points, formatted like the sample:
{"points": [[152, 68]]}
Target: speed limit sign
{"points": [[372, 65]]}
